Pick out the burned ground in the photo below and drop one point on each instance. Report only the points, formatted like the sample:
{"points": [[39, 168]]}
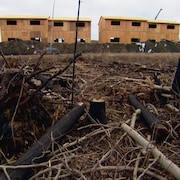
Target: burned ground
{"points": [[90, 151]]}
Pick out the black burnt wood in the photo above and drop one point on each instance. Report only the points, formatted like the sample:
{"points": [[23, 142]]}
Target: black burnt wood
{"points": [[57, 132], [150, 119]]}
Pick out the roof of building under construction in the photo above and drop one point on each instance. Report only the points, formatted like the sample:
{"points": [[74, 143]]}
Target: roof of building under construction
{"points": [[24, 17], [70, 19], [139, 19], [44, 17]]}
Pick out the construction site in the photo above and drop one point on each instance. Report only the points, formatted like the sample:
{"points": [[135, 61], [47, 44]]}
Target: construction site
{"points": [[93, 110]]}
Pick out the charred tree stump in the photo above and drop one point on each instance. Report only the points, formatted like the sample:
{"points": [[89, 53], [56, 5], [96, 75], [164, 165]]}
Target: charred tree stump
{"points": [[149, 118], [97, 111], [55, 133]]}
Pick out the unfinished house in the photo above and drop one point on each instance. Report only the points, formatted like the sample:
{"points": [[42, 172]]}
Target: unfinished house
{"points": [[163, 30], [24, 27], [44, 29], [64, 30], [126, 30]]}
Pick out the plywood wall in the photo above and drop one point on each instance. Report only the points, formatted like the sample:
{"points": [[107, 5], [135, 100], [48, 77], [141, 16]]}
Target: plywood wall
{"points": [[126, 32], [23, 30]]}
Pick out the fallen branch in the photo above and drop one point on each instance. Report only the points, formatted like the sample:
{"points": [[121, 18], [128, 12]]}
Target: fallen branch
{"points": [[55, 133], [49, 79], [118, 169], [171, 107], [149, 118], [134, 117], [6, 62], [39, 60], [162, 159], [162, 88]]}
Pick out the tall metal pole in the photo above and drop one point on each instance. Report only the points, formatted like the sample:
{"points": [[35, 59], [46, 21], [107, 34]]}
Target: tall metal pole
{"points": [[52, 24], [75, 45], [158, 14], [75, 49]]}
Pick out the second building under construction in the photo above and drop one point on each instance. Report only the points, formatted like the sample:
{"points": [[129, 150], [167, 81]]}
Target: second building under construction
{"points": [[126, 30]]}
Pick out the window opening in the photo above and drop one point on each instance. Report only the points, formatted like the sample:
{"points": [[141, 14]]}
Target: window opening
{"points": [[59, 40], [58, 24], [115, 23], [33, 22], [152, 26], [170, 26], [135, 40], [80, 24], [114, 39], [14, 39], [135, 23], [11, 22], [81, 40], [36, 39]]}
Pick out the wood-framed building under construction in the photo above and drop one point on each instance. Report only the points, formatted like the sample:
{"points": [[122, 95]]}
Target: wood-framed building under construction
{"points": [[44, 29], [64, 29], [112, 29], [127, 30]]}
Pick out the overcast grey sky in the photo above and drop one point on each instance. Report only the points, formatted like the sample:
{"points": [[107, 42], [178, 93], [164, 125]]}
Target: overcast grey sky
{"points": [[94, 9]]}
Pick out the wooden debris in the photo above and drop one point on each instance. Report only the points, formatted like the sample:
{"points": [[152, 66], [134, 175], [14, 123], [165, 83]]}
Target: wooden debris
{"points": [[149, 118], [6, 62], [161, 158], [54, 134], [171, 107], [104, 151], [163, 88]]}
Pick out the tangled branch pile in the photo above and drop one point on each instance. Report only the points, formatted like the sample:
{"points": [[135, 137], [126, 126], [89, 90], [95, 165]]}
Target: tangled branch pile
{"points": [[90, 151]]}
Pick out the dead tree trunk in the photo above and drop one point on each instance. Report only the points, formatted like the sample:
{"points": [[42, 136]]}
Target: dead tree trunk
{"points": [[97, 111], [56, 133]]}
